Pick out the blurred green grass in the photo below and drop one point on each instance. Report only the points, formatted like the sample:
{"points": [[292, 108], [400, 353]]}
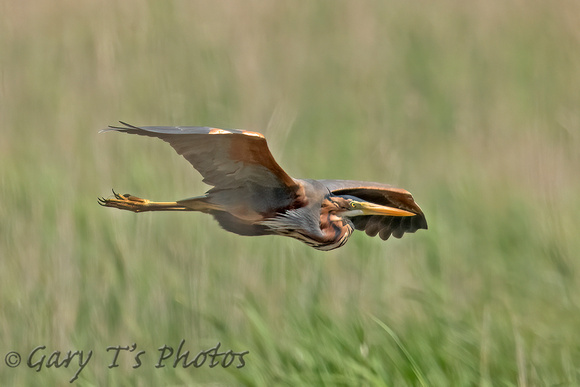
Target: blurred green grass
{"points": [[473, 107]]}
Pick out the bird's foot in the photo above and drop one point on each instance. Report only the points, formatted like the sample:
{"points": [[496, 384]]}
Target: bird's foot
{"points": [[125, 202]]}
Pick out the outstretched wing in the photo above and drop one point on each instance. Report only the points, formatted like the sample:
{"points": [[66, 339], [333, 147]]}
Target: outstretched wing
{"points": [[382, 194], [227, 159]]}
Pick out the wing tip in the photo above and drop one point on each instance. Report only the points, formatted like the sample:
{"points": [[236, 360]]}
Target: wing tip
{"points": [[127, 127]]}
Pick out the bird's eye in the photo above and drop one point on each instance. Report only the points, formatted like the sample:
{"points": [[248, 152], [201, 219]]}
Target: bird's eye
{"points": [[351, 205]]}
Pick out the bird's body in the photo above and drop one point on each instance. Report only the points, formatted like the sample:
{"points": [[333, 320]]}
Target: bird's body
{"points": [[252, 195]]}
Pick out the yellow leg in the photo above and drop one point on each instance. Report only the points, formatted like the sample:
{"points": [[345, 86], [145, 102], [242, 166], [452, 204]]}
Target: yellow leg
{"points": [[135, 204]]}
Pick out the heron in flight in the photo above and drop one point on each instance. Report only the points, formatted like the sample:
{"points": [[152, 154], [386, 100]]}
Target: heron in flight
{"points": [[253, 195]]}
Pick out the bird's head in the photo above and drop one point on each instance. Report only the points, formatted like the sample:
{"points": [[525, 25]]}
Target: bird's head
{"points": [[346, 206]]}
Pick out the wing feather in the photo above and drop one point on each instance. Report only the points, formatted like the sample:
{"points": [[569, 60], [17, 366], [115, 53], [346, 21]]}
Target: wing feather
{"points": [[219, 154], [226, 159]]}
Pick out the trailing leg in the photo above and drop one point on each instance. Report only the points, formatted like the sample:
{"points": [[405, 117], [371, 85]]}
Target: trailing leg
{"points": [[135, 204]]}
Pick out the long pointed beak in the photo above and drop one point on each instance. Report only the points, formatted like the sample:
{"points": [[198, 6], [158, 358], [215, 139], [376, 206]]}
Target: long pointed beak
{"points": [[376, 209]]}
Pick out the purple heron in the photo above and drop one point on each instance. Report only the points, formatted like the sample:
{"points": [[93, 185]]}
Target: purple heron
{"points": [[253, 195]]}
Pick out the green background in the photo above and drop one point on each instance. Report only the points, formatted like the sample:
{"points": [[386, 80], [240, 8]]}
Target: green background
{"points": [[474, 107]]}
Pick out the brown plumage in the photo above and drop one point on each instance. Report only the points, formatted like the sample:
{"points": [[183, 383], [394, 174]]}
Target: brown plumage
{"points": [[252, 195]]}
